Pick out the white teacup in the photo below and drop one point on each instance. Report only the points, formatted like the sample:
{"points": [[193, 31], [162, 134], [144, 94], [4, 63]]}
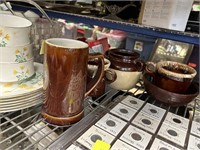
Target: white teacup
{"points": [[13, 72], [14, 30], [16, 54]]}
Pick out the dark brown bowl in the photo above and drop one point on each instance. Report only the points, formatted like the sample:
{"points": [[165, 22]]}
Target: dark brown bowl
{"points": [[170, 98]]}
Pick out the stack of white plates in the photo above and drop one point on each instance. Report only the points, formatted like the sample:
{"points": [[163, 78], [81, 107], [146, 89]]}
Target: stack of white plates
{"points": [[23, 94]]}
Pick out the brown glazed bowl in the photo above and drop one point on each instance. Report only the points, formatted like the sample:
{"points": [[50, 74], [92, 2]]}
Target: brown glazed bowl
{"points": [[167, 97]]}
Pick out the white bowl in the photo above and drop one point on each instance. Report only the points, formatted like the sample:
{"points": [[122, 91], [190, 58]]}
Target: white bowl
{"points": [[16, 54], [14, 30], [13, 72]]}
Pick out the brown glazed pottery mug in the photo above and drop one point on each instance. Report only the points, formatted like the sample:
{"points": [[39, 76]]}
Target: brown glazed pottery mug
{"points": [[127, 66], [65, 77], [171, 76]]}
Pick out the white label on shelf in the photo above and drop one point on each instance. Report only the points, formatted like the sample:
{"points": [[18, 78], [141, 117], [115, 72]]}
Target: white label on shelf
{"points": [[161, 145], [146, 122], [94, 133], [153, 111], [132, 102], [136, 137], [195, 129], [172, 134], [177, 121], [111, 124], [120, 145], [123, 111], [194, 143]]}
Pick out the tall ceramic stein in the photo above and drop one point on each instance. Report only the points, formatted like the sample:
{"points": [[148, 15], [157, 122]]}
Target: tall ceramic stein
{"points": [[65, 75]]}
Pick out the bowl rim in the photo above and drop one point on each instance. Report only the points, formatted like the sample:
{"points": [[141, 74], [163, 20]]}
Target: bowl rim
{"points": [[171, 93], [160, 67]]}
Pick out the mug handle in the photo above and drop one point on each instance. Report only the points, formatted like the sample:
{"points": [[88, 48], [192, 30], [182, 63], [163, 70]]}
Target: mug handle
{"points": [[110, 76], [99, 75]]}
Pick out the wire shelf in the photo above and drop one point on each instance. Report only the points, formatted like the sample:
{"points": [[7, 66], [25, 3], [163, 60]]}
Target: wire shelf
{"points": [[26, 129]]}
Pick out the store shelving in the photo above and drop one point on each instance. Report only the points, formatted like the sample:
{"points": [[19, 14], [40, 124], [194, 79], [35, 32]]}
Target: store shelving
{"points": [[186, 37]]}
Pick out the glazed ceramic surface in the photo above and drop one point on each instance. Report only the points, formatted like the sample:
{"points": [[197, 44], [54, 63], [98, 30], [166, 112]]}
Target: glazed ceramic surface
{"points": [[16, 89], [125, 80], [13, 72], [167, 97], [127, 66], [124, 60], [65, 79], [172, 76], [16, 53], [14, 30]]}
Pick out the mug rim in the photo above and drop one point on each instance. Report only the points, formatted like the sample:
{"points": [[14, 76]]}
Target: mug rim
{"points": [[67, 41], [166, 72]]}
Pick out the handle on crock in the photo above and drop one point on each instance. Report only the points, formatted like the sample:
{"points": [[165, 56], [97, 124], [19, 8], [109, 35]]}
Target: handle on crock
{"points": [[99, 75], [110, 76], [150, 67], [140, 65]]}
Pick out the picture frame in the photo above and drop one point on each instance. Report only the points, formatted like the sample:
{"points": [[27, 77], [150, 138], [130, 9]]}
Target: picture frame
{"points": [[169, 50]]}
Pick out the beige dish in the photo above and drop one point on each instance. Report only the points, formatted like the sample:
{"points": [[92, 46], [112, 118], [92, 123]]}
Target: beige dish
{"points": [[125, 80], [16, 53], [14, 30], [13, 72]]}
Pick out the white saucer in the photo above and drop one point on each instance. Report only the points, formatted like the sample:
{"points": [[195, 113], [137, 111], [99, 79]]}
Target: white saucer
{"points": [[20, 107], [35, 83]]}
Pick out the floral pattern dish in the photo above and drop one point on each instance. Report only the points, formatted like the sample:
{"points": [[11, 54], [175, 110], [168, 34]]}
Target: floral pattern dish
{"points": [[14, 30], [4, 38], [21, 55], [15, 54], [15, 72], [33, 84]]}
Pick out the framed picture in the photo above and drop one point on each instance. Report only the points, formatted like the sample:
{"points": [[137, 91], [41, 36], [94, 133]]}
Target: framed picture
{"points": [[171, 50]]}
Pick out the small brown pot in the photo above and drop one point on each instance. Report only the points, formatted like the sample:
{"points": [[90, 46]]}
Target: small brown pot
{"points": [[127, 66]]}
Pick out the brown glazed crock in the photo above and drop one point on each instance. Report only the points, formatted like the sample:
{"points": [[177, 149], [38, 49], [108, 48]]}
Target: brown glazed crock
{"points": [[127, 66], [167, 97]]}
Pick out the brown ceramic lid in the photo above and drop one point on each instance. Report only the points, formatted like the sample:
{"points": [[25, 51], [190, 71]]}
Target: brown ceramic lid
{"points": [[124, 60]]}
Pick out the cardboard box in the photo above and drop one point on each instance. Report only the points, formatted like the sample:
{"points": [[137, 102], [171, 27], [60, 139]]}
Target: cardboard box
{"points": [[168, 14]]}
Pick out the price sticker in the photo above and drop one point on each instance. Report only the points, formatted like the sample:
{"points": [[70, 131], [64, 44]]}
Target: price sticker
{"points": [[100, 145]]}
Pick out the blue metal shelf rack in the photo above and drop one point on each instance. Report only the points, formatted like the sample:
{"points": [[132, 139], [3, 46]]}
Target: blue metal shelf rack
{"points": [[128, 27]]}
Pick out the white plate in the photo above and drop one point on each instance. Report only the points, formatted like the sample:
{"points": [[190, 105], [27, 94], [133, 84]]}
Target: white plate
{"points": [[20, 107], [21, 101], [4, 100], [10, 90]]}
